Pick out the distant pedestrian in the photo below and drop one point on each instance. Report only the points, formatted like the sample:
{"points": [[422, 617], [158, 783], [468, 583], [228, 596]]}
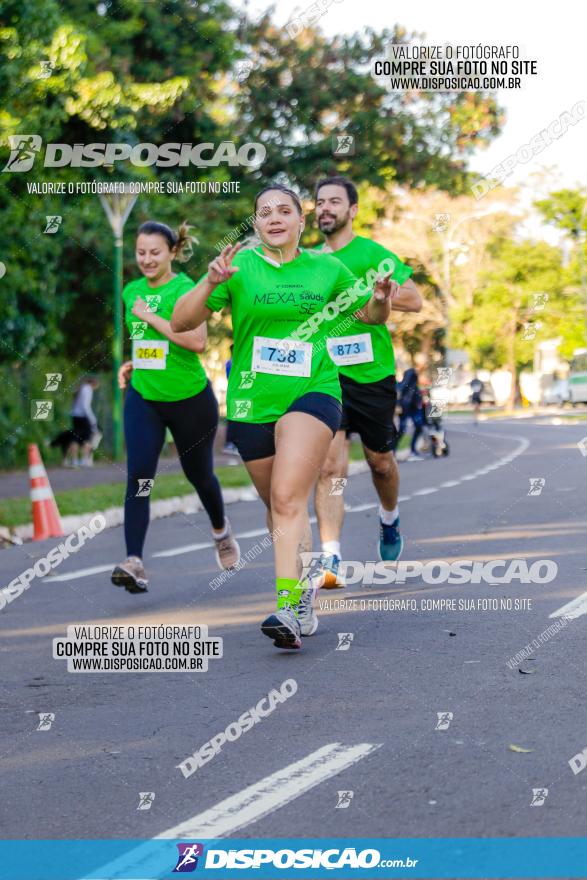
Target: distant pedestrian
{"points": [[411, 404], [78, 443], [477, 388]]}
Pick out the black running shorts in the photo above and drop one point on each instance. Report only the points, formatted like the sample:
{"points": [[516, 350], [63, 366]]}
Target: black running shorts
{"points": [[368, 409], [258, 441]]}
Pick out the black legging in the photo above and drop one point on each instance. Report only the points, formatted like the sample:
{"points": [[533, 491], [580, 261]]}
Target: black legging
{"points": [[193, 424]]}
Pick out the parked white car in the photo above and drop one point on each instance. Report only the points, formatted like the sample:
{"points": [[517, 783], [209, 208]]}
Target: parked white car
{"points": [[461, 394], [557, 393]]}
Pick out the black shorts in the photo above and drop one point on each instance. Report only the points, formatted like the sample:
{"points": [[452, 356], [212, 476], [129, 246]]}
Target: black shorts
{"points": [[368, 409], [476, 397], [82, 429], [258, 441]]}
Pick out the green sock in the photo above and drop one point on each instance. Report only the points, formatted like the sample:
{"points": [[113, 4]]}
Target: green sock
{"points": [[289, 592]]}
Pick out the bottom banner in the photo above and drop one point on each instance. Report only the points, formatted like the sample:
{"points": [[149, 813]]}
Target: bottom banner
{"points": [[368, 858]]}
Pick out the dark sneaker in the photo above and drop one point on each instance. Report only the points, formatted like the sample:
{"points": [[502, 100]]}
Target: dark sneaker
{"points": [[228, 552], [283, 627], [331, 579], [131, 575], [391, 542]]}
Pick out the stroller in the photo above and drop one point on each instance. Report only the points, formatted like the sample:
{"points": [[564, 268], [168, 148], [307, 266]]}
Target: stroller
{"points": [[435, 435], [438, 442]]}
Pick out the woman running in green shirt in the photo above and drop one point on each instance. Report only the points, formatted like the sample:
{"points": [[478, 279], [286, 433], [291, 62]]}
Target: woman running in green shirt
{"points": [[168, 389], [283, 394]]}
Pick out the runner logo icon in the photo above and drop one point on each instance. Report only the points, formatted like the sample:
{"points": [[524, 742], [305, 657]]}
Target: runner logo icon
{"points": [[145, 487], [41, 410], [344, 800], [52, 381], [539, 795], [311, 565], [24, 148], [343, 145], [146, 799], [187, 859], [443, 376], [444, 719], [46, 719], [53, 223], [138, 329], [242, 408], [344, 641], [338, 484], [537, 484]]}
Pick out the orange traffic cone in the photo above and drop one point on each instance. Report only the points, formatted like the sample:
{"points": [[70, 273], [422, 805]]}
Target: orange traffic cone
{"points": [[46, 521]]}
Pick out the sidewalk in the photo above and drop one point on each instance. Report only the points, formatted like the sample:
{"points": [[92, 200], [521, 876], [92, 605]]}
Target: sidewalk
{"points": [[15, 484]]}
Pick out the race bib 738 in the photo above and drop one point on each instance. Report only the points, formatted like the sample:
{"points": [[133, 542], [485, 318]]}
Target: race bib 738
{"points": [[283, 357]]}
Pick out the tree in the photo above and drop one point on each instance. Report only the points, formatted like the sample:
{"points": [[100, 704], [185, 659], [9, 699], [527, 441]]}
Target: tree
{"points": [[504, 323], [126, 71], [297, 94], [566, 209]]}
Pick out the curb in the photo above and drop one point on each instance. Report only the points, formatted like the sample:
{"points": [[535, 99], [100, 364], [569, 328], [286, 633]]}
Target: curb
{"points": [[114, 516]]}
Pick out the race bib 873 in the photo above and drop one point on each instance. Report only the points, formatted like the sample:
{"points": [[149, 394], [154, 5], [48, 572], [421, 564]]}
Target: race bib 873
{"points": [[283, 357], [347, 350]]}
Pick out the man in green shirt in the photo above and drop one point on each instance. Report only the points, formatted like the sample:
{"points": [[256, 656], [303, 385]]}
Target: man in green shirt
{"points": [[365, 359]]}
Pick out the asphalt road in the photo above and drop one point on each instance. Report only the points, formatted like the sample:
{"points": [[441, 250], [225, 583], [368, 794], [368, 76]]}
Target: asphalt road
{"points": [[115, 735]]}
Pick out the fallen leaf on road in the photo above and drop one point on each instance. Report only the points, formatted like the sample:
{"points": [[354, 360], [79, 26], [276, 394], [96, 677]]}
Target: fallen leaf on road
{"points": [[523, 751]]}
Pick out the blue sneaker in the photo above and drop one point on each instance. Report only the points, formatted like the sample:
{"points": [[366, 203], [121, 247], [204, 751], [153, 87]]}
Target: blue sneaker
{"points": [[331, 579], [391, 542]]}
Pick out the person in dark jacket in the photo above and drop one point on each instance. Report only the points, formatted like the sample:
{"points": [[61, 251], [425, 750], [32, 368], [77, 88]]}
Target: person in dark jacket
{"points": [[411, 405]]}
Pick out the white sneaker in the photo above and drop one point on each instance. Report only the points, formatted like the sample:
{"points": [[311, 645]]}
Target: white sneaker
{"points": [[307, 617], [228, 551], [283, 627]]}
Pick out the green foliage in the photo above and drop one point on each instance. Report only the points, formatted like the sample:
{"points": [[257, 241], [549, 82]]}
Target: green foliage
{"points": [[133, 72], [503, 327], [300, 93], [566, 209]]}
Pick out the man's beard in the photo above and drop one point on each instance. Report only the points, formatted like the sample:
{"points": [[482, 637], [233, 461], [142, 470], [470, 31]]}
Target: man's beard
{"points": [[333, 227]]}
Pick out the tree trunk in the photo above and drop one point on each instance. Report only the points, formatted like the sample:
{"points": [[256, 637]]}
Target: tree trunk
{"points": [[512, 359]]}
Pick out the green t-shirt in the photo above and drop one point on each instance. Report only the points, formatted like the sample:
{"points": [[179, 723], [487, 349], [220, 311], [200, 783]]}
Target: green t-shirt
{"points": [[271, 304], [366, 353], [162, 369]]}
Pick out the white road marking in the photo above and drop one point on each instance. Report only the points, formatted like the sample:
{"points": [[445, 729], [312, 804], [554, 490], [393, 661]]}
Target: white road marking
{"points": [[248, 805], [80, 573], [270, 793], [575, 608], [190, 548]]}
